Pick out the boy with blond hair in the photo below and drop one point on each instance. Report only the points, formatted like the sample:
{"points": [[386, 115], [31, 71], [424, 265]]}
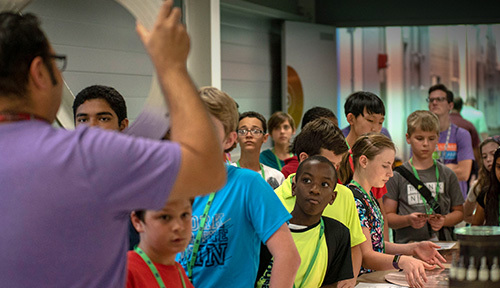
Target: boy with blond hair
{"points": [[230, 224], [409, 213]]}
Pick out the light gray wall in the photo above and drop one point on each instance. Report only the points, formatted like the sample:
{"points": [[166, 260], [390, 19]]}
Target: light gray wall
{"points": [[250, 47], [99, 38]]}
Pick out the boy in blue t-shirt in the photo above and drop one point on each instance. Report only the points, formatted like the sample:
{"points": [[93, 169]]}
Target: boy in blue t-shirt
{"points": [[230, 224], [324, 243]]}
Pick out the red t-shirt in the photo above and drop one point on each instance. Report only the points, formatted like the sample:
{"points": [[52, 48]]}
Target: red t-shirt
{"points": [[139, 274]]}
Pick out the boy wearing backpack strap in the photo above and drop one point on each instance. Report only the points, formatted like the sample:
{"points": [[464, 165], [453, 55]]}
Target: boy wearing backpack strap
{"points": [[412, 217]]}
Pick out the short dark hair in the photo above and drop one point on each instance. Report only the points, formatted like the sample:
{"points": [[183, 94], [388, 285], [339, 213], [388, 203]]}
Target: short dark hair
{"points": [[109, 94], [21, 40], [449, 94], [320, 133], [253, 114], [458, 103], [142, 213], [358, 101], [315, 113], [278, 118], [318, 158]]}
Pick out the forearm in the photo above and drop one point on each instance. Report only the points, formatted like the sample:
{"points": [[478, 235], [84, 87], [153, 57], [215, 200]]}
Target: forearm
{"points": [[469, 210], [405, 249], [357, 258], [377, 261], [453, 218], [286, 258], [462, 169], [398, 221]]}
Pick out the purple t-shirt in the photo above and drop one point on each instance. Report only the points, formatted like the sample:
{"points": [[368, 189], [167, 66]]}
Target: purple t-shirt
{"points": [[65, 201], [459, 149]]}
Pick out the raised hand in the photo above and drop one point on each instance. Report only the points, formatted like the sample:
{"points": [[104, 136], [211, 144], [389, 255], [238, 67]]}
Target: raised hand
{"points": [[168, 42]]}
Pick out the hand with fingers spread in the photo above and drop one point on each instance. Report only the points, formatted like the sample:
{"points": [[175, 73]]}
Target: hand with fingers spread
{"points": [[168, 42], [414, 270], [426, 251], [436, 221], [417, 220]]}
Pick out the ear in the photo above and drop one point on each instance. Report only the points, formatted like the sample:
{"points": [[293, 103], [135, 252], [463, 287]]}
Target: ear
{"points": [[293, 187], [264, 139], [350, 118], [123, 124], [334, 195], [136, 222], [303, 156], [450, 106], [407, 138], [229, 140], [363, 161], [39, 74]]}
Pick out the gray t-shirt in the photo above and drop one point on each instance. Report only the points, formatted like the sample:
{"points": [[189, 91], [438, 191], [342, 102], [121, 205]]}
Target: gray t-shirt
{"points": [[409, 199]]}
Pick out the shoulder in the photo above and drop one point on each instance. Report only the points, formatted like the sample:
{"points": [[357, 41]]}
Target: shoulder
{"points": [[266, 153], [334, 225]]}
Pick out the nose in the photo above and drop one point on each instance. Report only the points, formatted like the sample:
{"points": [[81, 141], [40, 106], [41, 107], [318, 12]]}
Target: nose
{"points": [[176, 224], [314, 189], [93, 122], [390, 172]]}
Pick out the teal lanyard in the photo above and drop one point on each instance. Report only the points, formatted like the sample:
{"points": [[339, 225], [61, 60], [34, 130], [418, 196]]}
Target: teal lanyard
{"points": [[315, 255], [428, 209], [375, 208], [197, 241], [153, 269], [261, 169]]}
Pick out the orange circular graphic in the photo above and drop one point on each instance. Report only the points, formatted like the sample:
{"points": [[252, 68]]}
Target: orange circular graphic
{"points": [[295, 95]]}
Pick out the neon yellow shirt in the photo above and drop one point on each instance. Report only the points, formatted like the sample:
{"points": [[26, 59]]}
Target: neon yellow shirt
{"points": [[343, 208]]}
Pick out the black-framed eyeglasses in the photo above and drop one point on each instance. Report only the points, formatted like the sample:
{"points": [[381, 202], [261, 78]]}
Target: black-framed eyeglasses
{"points": [[438, 99], [254, 132], [60, 60]]}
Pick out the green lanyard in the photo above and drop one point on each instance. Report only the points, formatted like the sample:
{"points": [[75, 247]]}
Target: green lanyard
{"points": [[428, 209], [197, 241], [261, 169], [153, 269], [375, 206], [313, 259]]}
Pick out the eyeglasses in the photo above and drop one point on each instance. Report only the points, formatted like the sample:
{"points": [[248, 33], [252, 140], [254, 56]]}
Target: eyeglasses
{"points": [[60, 60], [438, 99], [254, 132]]}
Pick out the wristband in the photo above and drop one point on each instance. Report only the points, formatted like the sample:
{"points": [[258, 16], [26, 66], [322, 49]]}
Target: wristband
{"points": [[395, 261]]}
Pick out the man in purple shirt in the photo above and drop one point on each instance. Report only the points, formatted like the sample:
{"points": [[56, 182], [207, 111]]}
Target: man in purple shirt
{"points": [[454, 148], [67, 195]]}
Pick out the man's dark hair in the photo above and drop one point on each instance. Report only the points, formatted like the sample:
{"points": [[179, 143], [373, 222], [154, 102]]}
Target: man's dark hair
{"points": [[318, 158], [357, 101], [253, 114], [315, 113], [458, 103], [141, 213], [109, 94], [21, 40], [449, 94], [320, 133]]}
